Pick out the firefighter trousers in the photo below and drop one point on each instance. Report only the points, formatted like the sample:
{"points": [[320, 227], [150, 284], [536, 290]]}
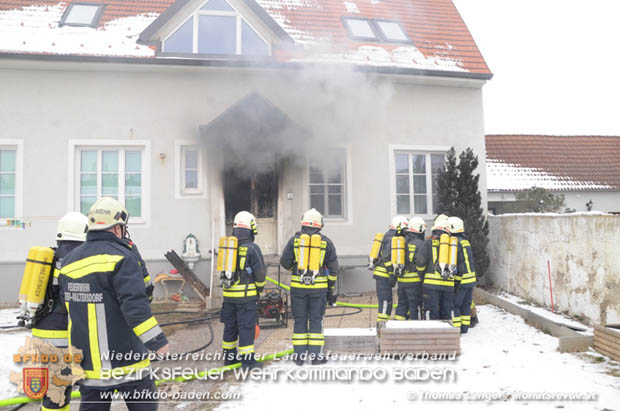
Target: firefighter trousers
{"points": [[140, 396], [438, 303], [409, 303], [462, 308], [239, 327], [308, 310], [384, 299]]}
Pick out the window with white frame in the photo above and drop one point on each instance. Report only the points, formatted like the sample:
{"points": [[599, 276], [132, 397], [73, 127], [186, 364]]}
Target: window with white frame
{"points": [[327, 183], [416, 181], [8, 179], [216, 28], [110, 172], [190, 170]]}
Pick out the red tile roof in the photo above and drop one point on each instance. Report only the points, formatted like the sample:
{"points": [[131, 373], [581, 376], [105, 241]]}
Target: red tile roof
{"points": [[561, 163], [440, 38]]}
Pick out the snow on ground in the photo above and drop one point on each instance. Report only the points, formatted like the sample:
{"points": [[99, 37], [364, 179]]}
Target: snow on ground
{"points": [[10, 341], [544, 312], [502, 356]]}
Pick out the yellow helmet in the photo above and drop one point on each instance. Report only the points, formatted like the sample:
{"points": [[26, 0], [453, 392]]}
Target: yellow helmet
{"points": [[441, 223], [72, 227], [312, 218], [105, 213], [455, 225], [417, 225], [244, 219], [399, 223]]}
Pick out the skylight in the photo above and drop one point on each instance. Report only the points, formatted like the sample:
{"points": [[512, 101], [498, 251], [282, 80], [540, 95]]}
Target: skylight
{"points": [[359, 28], [82, 14], [391, 31]]}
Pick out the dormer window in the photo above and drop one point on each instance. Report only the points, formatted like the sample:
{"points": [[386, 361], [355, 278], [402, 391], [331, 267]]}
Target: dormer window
{"points": [[385, 31], [82, 14], [216, 28]]}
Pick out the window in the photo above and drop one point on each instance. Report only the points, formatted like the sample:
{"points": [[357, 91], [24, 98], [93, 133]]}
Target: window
{"points": [[111, 172], [327, 183], [82, 14], [391, 31], [359, 29], [375, 30], [216, 29], [416, 176], [8, 177], [190, 164]]}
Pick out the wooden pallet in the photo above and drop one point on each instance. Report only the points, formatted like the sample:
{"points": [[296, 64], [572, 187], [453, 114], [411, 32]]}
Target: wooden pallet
{"points": [[199, 287], [351, 340], [607, 341], [433, 337]]}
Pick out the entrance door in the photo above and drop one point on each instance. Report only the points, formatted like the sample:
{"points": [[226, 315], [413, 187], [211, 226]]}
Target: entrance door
{"points": [[254, 188]]}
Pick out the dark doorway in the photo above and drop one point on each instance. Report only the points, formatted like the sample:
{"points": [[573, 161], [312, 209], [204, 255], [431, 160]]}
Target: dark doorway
{"points": [[253, 188]]}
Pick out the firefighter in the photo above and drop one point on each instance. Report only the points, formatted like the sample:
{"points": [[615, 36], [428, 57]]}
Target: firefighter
{"points": [[311, 257], [148, 283], [437, 287], [465, 278], [410, 283], [383, 272], [240, 295], [103, 289], [51, 324]]}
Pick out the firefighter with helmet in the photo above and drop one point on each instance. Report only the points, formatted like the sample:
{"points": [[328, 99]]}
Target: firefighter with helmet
{"points": [[51, 323], [410, 283], [437, 288], [103, 289], [383, 271], [311, 257], [465, 278], [240, 295]]}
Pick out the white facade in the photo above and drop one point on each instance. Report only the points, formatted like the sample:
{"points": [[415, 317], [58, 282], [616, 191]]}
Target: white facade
{"points": [[52, 110]]}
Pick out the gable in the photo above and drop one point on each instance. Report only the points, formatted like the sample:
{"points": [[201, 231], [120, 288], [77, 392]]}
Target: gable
{"points": [[210, 27]]}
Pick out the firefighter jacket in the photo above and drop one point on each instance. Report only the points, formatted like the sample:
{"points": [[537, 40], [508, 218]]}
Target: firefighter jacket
{"points": [[412, 275], [384, 268], [426, 260], [250, 275], [145, 274], [52, 325], [329, 260], [465, 270], [110, 318]]}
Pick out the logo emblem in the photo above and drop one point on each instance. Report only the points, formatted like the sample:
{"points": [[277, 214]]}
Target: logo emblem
{"points": [[36, 381]]}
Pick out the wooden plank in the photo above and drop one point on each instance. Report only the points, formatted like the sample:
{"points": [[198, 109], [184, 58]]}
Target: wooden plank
{"points": [[614, 342], [608, 354], [613, 350], [201, 289], [400, 351], [391, 331], [606, 330], [421, 342], [419, 336]]}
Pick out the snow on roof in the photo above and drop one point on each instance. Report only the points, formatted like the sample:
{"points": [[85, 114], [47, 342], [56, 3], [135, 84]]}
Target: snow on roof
{"points": [[439, 38], [558, 163], [35, 29]]}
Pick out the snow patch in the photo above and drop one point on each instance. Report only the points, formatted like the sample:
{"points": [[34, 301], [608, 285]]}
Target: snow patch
{"points": [[351, 7], [10, 341], [353, 332], [35, 29], [513, 177]]}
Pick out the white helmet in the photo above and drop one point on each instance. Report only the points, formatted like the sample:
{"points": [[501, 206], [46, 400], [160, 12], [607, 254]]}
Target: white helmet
{"points": [[417, 225], [243, 219], [72, 227], [441, 223], [456, 225], [312, 218], [399, 223], [105, 213]]}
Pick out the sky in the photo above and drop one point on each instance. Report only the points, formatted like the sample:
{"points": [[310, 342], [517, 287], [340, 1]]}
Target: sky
{"points": [[555, 63]]}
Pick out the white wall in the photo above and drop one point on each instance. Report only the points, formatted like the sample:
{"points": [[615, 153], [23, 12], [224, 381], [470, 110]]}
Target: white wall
{"points": [[605, 201], [582, 251], [48, 105]]}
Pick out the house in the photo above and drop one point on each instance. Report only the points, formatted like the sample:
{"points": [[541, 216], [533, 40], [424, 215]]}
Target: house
{"points": [[585, 169], [190, 110]]}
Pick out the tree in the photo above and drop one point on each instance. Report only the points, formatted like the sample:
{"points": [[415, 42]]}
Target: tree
{"points": [[540, 200], [459, 195]]}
